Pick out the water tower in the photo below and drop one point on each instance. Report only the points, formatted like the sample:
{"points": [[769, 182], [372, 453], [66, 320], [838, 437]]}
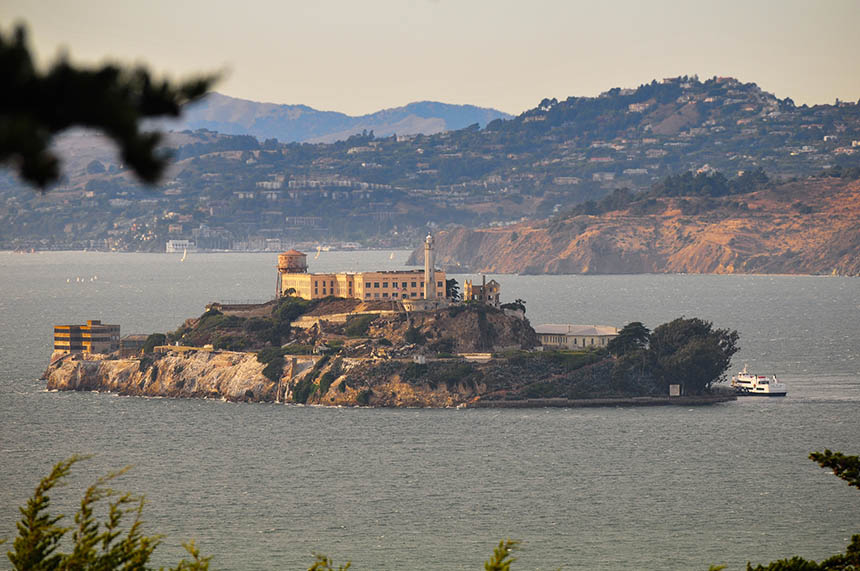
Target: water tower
{"points": [[291, 262]]}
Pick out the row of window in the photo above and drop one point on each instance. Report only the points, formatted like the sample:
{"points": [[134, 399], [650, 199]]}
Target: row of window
{"points": [[368, 295], [560, 340], [395, 285]]}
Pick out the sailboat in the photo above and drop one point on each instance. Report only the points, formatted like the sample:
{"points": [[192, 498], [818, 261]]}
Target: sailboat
{"points": [[184, 254], [319, 249]]}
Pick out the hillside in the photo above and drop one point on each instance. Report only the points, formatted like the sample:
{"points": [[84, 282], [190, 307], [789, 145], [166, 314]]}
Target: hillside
{"points": [[232, 191], [809, 226], [300, 123]]}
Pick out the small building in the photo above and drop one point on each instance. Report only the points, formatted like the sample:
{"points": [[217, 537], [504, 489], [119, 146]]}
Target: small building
{"points": [[567, 336], [178, 246], [132, 345], [94, 337], [488, 292]]}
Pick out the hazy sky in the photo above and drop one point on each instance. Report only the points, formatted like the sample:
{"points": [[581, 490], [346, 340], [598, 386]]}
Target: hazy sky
{"points": [[361, 56]]}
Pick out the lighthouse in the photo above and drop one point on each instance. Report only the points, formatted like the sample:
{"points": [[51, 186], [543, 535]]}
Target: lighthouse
{"points": [[429, 272]]}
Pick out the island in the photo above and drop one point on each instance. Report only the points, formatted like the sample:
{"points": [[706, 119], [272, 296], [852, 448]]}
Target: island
{"points": [[393, 339]]}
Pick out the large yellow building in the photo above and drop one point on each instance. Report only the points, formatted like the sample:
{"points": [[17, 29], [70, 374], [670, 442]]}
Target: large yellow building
{"points": [[294, 279]]}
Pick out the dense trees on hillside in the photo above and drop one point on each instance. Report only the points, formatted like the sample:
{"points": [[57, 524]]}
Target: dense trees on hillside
{"points": [[685, 352]]}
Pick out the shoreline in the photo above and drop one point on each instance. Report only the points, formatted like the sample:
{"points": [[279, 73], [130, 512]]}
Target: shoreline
{"points": [[702, 400]]}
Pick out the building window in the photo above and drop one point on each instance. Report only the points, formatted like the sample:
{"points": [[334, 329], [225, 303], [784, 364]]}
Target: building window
{"points": [[376, 295], [414, 294], [375, 284], [404, 285], [385, 294], [323, 290], [367, 285], [413, 284], [367, 294], [394, 285], [438, 284], [385, 284], [394, 294], [331, 283]]}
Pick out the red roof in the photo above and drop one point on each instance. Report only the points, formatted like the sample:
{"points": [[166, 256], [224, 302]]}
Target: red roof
{"points": [[293, 253]]}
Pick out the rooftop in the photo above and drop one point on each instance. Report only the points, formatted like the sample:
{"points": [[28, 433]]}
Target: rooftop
{"points": [[568, 329]]}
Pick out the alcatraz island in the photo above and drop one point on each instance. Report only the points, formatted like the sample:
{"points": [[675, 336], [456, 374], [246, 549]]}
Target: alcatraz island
{"points": [[395, 339]]}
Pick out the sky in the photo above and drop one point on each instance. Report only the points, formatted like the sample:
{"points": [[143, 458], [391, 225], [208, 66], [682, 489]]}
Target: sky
{"points": [[358, 57]]}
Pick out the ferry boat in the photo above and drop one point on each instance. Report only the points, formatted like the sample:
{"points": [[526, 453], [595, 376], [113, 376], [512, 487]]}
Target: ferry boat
{"points": [[748, 384]]}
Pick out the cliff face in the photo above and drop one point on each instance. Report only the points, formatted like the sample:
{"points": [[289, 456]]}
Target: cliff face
{"points": [[805, 227], [228, 375]]}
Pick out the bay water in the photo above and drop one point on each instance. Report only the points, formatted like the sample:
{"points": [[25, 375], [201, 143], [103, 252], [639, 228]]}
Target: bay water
{"points": [[264, 486]]}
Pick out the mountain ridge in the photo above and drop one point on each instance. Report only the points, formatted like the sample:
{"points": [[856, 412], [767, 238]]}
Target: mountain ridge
{"points": [[302, 123]]}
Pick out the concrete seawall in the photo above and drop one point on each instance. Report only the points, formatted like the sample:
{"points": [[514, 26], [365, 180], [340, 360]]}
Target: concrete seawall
{"points": [[579, 403]]}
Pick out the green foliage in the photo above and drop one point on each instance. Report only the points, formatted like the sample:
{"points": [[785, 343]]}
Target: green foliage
{"points": [[304, 389], [230, 343], [632, 336], [358, 325], [444, 345], [94, 545], [414, 336], [569, 360], [845, 467], [274, 369], [689, 352], [325, 382], [153, 341], [111, 99], [291, 308], [502, 556], [363, 397], [298, 349]]}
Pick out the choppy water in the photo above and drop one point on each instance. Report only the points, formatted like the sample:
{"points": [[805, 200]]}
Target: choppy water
{"points": [[263, 486]]}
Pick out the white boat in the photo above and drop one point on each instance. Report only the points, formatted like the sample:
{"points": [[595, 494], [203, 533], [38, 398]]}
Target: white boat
{"points": [[748, 384]]}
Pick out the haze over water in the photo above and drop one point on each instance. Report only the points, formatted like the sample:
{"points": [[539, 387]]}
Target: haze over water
{"points": [[263, 486]]}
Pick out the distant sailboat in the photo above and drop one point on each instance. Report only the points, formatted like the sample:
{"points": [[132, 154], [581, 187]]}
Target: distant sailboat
{"points": [[184, 254], [391, 257], [319, 249]]}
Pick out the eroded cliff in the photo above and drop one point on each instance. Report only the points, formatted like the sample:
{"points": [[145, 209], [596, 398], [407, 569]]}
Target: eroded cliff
{"points": [[804, 227]]}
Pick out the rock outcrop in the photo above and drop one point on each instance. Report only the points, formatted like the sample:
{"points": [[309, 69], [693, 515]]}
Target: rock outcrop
{"points": [[805, 227], [228, 375]]}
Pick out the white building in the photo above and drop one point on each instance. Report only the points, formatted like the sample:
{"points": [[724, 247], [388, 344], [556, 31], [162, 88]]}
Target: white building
{"points": [[567, 336], [177, 246]]}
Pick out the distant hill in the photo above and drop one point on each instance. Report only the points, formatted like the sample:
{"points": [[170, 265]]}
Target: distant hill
{"points": [[300, 123], [809, 226], [253, 192]]}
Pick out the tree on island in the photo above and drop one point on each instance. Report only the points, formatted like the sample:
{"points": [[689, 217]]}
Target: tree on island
{"points": [[631, 337], [691, 353], [687, 352], [35, 107]]}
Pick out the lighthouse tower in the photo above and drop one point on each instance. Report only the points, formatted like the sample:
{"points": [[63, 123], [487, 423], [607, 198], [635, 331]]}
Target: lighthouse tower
{"points": [[429, 272]]}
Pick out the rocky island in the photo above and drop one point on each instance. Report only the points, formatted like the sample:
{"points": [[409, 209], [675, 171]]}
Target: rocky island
{"points": [[395, 338], [345, 352]]}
